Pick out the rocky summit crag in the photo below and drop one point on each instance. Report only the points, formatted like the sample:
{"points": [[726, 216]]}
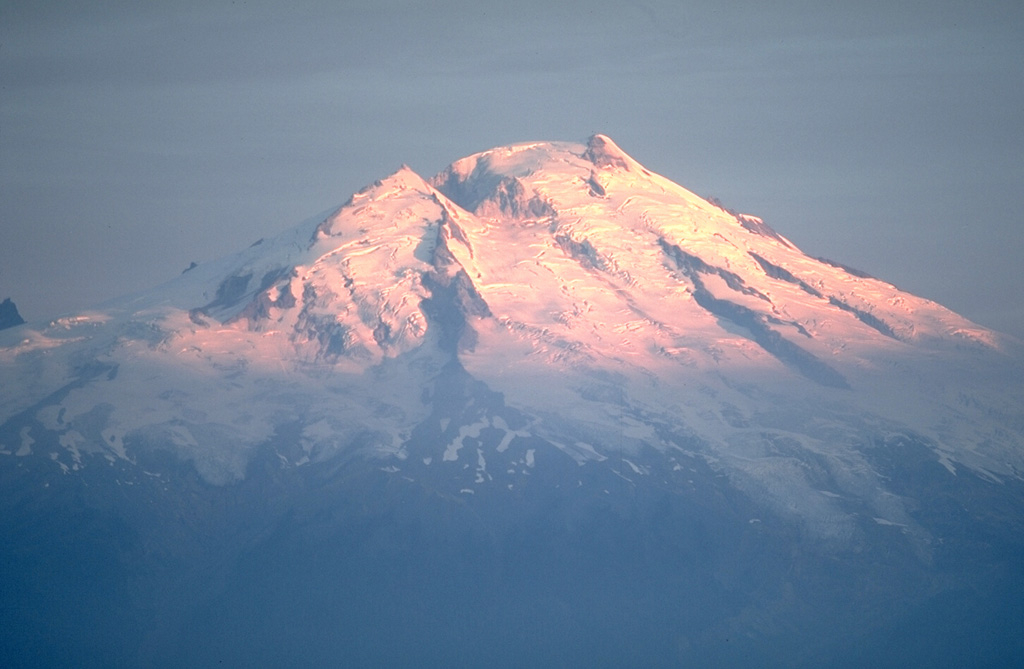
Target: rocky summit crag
{"points": [[545, 407]]}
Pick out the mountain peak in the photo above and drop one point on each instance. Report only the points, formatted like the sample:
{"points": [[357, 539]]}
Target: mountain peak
{"points": [[560, 258], [546, 350], [392, 192], [603, 152], [404, 178], [9, 316]]}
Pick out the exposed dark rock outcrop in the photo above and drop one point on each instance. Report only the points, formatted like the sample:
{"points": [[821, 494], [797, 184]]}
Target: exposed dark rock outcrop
{"points": [[9, 316]]}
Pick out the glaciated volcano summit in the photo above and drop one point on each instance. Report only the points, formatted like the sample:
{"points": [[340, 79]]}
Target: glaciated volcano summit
{"points": [[611, 314], [543, 370]]}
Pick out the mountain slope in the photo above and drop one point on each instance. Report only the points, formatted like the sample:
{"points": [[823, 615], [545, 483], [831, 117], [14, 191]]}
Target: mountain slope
{"points": [[545, 348], [654, 307]]}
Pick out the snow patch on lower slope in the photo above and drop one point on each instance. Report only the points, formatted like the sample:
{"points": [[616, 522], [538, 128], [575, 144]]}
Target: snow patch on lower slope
{"points": [[451, 451]]}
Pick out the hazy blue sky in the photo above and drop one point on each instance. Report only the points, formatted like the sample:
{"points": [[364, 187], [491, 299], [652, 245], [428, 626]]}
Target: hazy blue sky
{"points": [[136, 139]]}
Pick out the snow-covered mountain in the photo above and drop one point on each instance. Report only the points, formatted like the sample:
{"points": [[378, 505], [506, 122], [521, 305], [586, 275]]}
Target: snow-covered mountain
{"points": [[537, 317]]}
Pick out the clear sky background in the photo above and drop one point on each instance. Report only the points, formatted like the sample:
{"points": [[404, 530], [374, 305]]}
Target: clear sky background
{"points": [[135, 139]]}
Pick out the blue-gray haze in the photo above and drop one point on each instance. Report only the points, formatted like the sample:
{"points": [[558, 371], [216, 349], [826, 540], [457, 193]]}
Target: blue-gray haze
{"points": [[136, 138]]}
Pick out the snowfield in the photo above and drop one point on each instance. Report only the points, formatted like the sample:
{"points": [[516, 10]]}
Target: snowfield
{"points": [[546, 408], [617, 314]]}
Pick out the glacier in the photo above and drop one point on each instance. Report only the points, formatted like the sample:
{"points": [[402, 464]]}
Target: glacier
{"points": [[544, 350]]}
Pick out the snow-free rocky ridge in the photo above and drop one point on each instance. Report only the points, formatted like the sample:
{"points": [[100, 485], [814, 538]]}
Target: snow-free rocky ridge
{"points": [[545, 311]]}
